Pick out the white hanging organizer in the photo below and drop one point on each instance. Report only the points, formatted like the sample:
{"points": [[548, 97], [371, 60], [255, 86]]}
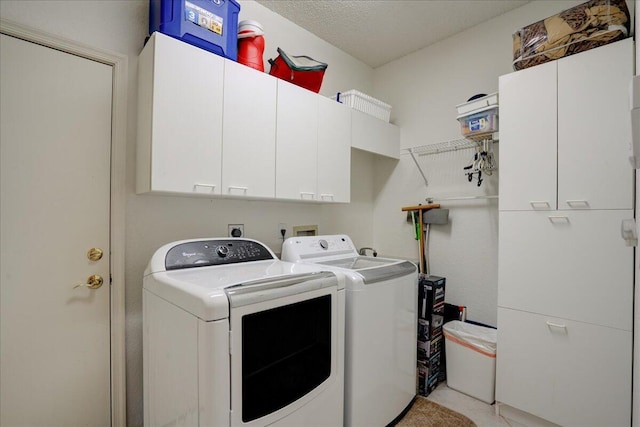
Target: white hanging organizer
{"points": [[479, 126]]}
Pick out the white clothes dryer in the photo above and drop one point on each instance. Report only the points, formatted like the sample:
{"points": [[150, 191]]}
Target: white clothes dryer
{"points": [[235, 337], [381, 326]]}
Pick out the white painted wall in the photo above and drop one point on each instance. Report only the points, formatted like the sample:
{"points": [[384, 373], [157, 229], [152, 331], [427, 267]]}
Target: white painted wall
{"points": [[121, 26], [424, 88]]}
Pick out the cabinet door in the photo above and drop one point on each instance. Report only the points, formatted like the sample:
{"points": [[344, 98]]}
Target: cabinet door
{"points": [[567, 264], [181, 117], [569, 373], [249, 130], [528, 140], [334, 151], [297, 143], [374, 135], [593, 128]]}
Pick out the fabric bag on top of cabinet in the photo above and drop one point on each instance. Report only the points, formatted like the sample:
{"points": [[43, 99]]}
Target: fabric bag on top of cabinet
{"points": [[583, 27]]}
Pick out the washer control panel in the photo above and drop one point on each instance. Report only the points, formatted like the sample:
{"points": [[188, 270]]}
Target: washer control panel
{"points": [[304, 247], [215, 252]]}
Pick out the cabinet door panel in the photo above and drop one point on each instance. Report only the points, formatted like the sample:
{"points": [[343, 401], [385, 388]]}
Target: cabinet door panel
{"points": [[186, 119], [297, 143], [593, 128], [528, 140], [374, 135], [570, 373], [249, 132], [334, 151], [567, 264]]}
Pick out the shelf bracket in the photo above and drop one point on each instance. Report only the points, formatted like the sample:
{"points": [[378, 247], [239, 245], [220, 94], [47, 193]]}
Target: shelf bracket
{"points": [[413, 156]]}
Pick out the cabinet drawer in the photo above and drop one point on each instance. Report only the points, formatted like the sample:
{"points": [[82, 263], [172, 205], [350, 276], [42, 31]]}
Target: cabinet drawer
{"points": [[571, 264], [570, 373]]}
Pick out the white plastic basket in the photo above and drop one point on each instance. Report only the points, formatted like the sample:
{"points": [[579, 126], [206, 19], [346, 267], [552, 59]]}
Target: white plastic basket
{"points": [[365, 103]]}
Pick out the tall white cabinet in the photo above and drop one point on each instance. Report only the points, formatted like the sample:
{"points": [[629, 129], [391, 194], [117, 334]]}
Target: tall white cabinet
{"points": [[565, 291]]}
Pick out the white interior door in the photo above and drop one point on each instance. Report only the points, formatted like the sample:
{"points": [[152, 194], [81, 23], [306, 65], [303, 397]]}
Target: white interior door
{"points": [[55, 121]]}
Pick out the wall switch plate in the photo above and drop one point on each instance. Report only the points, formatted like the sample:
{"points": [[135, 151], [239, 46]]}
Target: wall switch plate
{"points": [[236, 230]]}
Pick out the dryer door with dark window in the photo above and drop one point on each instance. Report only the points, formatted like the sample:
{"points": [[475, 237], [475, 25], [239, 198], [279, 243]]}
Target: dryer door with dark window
{"points": [[282, 350]]}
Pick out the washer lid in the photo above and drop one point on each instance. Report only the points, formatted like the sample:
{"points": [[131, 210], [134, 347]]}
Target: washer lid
{"points": [[371, 269]]}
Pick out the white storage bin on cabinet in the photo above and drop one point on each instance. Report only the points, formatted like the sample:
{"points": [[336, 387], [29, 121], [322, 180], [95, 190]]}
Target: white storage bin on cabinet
{"points": [[471, 359], [365, 103]]}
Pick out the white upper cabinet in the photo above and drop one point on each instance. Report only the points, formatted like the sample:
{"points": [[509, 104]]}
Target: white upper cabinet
{"points": [[564, 133], [528, 139], [371, 134], [334, 151], [213, 127], [249, 132], [180, 118], [594, 129], [297, 143]]}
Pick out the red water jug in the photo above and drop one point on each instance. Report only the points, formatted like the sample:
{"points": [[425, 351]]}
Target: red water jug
{"points": [[251, 44]]}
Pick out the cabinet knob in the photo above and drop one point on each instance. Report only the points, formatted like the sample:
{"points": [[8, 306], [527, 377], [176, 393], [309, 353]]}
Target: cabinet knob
{"points": [[558, 219], [540, 204], [577, 204], [200, 184], [556, 325], [243, 189]]}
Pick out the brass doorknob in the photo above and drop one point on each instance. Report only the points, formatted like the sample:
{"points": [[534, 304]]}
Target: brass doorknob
{"points": [[94, 254], [93, 282]]}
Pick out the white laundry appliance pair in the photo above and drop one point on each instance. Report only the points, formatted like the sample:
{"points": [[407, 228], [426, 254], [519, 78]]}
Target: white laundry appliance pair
{"points": [[235, 337]]}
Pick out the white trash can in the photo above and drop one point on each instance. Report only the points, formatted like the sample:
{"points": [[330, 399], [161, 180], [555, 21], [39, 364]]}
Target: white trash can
{"points": [[471, 359]]}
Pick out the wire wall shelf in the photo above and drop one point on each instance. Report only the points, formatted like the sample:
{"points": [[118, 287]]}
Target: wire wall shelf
{"points": [[453, 145], [478, 142]]}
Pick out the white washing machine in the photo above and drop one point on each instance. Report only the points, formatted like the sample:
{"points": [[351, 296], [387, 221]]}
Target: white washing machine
{"points": [[381, 326], [235, 337]]}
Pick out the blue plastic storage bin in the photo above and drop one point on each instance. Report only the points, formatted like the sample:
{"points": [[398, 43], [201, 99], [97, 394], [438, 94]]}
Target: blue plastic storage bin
{"points": [[209, 24]]}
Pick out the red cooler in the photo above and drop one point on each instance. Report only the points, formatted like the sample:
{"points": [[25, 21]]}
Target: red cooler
{"points": [[299, 70]]}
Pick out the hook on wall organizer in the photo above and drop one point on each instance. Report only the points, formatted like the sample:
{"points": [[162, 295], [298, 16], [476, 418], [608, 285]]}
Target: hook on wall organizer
{"points": [[483, 161]]}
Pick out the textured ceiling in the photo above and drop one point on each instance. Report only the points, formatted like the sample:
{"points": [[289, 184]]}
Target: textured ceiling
{"points": [[380, 31]]}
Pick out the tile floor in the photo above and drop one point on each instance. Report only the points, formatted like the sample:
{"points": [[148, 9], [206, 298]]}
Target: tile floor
{"points": [[482, 414]]}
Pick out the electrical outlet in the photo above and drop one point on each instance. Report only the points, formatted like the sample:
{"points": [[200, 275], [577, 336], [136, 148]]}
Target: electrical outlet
{"points": [[236, 230], [282, 226]]}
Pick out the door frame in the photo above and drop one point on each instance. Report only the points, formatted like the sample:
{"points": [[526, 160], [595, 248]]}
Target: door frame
{"points": [[119, 64]]}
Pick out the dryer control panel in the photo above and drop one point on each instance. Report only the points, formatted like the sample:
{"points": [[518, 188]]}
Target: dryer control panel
{"points": [[203, 253]]}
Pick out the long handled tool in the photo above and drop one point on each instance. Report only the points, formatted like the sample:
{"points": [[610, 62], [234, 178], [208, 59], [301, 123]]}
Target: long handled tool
{"points": [[419, 229]]}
